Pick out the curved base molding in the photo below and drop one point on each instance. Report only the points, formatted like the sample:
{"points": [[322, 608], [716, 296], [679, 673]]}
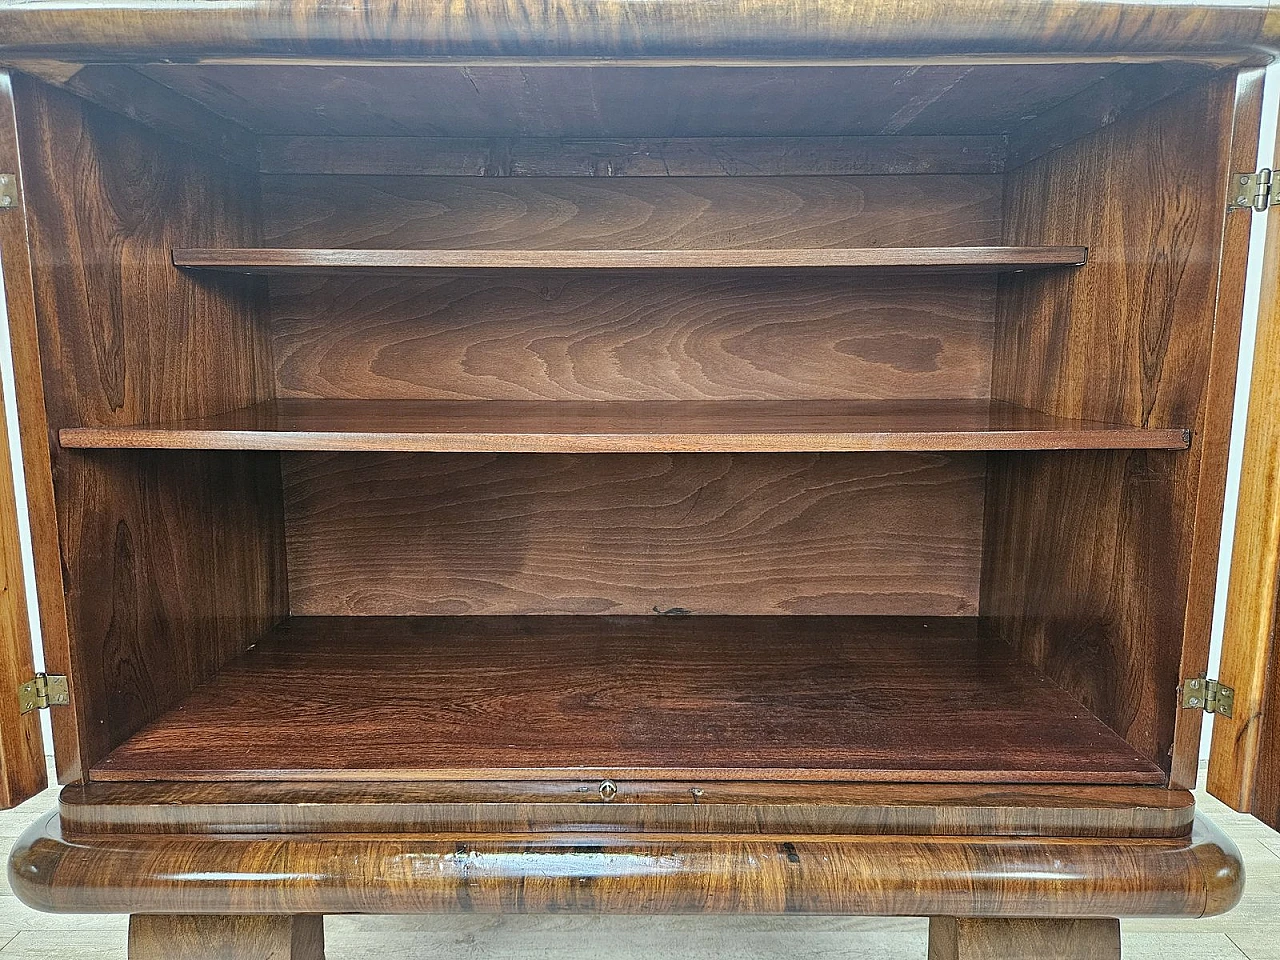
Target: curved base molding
{"points": [[629, 874]]}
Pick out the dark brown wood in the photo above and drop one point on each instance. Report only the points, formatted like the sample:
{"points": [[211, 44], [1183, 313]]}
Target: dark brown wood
{"points": [[964, 938], [646, 698], [603, 337], [923, 259], [1102, 595], [489, 214], [1115, 97], [536, 534], [125, 91], [132, 29], [226, 938], [546, 806], [33, 433], [700, 156], [123, 337], [582, 100], [650, 874], [496, 426]]}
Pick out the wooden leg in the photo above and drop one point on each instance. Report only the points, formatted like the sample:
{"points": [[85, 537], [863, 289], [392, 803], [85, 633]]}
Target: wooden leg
{"points": [[958, 938], [226, 938]]}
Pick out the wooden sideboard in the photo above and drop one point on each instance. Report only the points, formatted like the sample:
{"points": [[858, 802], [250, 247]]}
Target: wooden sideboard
{"points": [[602, 457]]}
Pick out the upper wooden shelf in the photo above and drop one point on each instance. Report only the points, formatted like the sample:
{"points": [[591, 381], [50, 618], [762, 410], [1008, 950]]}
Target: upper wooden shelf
{"points": [[916, 259], [656, 426]]}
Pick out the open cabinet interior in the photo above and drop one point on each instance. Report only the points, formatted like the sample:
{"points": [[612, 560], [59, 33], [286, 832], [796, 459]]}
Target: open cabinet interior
{"points": [[516, 422]]}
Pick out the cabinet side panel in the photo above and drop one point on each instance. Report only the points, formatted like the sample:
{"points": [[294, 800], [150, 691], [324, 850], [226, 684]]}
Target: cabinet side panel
{"points": [[173, 562], [1091, 566]]}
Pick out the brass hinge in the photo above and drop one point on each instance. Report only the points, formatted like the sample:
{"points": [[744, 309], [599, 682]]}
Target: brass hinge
{"points": [[8, 191], [1208, 695], [43, 691], [1251, 191]]}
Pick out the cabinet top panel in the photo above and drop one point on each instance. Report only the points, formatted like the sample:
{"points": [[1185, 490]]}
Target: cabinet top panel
{"points": [[128, 29]]}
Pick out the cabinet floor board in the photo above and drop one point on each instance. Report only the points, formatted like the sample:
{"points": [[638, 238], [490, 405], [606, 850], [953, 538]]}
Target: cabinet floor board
{"points": [[715, 698]]}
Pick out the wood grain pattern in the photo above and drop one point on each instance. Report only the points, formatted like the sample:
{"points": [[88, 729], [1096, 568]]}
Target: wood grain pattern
{"points": [[501, 426], [915, 259], [1266, 795], [633, 337], [629, 99], [699, 156], [577, 806], [123, 90], [22, 764], [406, 534], [593, 873], [966, 938], [1118, 96], [225, 938], [630, 213], [123, 336], [1241, 752], [135, 29], [1089, 558], [484, 698]]}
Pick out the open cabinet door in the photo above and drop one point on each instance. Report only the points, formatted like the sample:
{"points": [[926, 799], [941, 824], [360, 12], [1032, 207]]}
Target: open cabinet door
{"points": [[1244, 761], [22, 765]]}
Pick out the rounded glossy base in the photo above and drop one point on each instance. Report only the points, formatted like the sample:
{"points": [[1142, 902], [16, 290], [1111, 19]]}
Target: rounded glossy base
{"points": [[618, 873]]}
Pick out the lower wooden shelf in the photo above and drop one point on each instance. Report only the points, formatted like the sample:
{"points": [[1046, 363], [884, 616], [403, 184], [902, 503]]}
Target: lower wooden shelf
{"points": [[649, 698]]}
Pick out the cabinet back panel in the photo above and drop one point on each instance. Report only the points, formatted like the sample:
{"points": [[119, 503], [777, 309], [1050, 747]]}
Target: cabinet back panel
{"points": [[404, 534], [691, 336], [540, 213], [687, 335]]}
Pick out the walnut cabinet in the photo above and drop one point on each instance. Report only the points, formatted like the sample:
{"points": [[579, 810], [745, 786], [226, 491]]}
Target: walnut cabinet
{"points": [[757, 457]]}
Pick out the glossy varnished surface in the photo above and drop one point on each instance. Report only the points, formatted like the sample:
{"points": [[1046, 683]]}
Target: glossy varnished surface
{"points": [[599, 873], [126, 28], [742, 698], [627, 427], [576, 806]]}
